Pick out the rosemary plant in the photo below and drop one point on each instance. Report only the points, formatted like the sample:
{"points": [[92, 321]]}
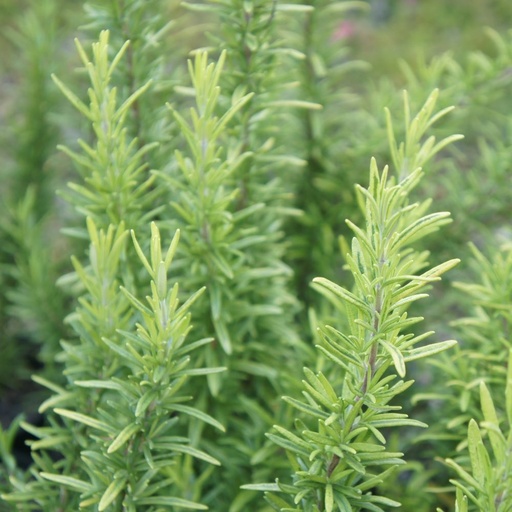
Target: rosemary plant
{"points": [[232, 199], [37, 134], [31, 307], [486, 484], [249, 160], [337, 451], [325, 138], [482, 355], [480, 115], [222, 244], [123, 385], [116, 187], [151, 57], [119, 411], [35, 301]]}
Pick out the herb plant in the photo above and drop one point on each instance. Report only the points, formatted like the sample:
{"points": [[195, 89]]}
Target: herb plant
{"points": [[184, 353]]}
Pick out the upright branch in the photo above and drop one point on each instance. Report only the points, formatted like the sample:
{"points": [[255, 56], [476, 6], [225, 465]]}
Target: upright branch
{"points": [[337, 452], [117, 184]]}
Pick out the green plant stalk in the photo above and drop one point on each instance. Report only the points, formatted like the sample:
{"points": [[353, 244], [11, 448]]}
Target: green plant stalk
{"points": [[117, 185], [36, 36], [337, 452], [149, 56], [218, 250]]}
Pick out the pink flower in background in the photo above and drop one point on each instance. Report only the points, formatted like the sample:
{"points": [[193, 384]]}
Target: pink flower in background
{"points": [[346, 29]]}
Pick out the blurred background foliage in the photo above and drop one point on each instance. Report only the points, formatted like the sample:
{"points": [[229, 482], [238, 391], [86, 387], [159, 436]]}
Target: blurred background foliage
{"points": [[377, 51]]}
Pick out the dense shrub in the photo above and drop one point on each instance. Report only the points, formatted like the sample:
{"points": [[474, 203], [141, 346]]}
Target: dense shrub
{"points": [[218, 305]]}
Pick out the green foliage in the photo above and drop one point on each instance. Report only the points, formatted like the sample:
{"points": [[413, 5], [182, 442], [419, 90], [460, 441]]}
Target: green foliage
{"points": [[231, 218], [151, 56], [335, 450], [477, 86], [123, 399], [135, 376], [325, 188], [37, 134], [204, 200], [487, 482], [482, 356], [34, 299], [116, 189], [240, 128], [31, 306], [480, 368]]}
